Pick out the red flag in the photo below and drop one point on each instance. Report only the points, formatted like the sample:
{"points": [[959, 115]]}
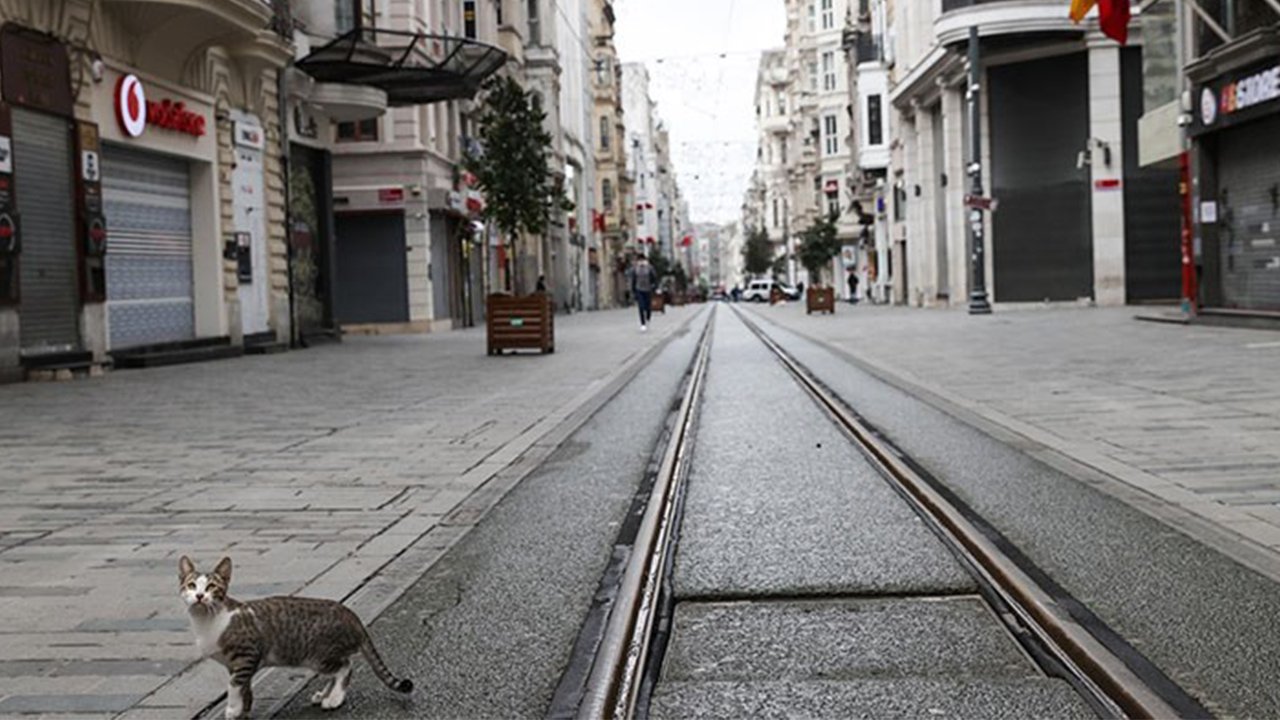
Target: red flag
{"points": [[1113, 19]]}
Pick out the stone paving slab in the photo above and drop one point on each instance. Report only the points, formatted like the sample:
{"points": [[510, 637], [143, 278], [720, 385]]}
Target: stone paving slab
{"points": [[841, 639], [894, 698], [780, 503], [314, 470], [1188, 415]]}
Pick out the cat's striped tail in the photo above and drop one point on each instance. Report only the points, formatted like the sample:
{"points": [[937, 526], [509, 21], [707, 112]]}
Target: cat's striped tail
{"points": [[401, 685]]}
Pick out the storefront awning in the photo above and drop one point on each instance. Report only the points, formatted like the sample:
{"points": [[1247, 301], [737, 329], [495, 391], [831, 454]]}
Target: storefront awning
{"points": [[412, 68]]}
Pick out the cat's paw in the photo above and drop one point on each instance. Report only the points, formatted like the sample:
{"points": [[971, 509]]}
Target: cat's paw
{"points": [[318, 696], [334, 700], [234, 714]]}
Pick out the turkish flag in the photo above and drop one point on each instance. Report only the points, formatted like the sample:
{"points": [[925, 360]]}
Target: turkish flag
{"points": [[1113, 19], [687, 241]]}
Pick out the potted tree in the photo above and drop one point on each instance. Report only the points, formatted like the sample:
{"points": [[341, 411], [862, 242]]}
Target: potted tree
{"points": [[511, 163], [818, 245]]}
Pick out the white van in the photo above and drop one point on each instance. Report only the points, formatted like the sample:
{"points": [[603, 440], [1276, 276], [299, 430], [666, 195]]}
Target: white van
{"points": [[758, 291]]}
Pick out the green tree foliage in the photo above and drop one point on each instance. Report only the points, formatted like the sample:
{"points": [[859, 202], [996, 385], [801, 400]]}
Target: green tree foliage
{"points": [[757, 253], [512, 166], [661, 265], [818, 244], [681, 278]]}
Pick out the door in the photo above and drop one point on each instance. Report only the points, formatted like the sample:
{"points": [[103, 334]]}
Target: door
{"points": [[1249, 216], [49, 283], [441, 277], [1042, 241], [372, 279], [149, 287], [249, 219]]}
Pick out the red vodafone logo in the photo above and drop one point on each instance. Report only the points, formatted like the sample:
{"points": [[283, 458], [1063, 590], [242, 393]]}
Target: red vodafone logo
{"points": [[131, 105], [135, 112]]}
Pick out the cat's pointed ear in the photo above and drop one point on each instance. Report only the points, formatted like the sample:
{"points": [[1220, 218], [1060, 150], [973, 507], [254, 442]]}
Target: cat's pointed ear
{"points": [[223, 570], [185, 567]]}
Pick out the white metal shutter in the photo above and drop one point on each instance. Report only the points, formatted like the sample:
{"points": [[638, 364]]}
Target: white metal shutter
{"points": [[50, 296], [148, 206], [1249, 216]]}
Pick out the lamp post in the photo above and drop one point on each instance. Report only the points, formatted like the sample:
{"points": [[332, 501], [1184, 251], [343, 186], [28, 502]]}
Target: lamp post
{"points": [[978, 304]]}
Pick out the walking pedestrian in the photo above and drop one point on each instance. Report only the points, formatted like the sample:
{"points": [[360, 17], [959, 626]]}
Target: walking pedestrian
{"points": [[542, 284], [643, 280], [853, 286]]}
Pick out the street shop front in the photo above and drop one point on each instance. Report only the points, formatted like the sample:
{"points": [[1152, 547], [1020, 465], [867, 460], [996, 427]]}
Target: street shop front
{"points": [[1236, 127]]}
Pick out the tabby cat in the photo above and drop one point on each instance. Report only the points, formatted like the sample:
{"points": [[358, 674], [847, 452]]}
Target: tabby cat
{"points": [[321, 635]]}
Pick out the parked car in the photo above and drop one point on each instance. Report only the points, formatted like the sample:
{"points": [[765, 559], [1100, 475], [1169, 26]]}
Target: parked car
{"points": [[758, 291]]}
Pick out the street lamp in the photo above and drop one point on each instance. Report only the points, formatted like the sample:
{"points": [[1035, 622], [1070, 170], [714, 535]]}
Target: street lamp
{"points": [[978, 304]]}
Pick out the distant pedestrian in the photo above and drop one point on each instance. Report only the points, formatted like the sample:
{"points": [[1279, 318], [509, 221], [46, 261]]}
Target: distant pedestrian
{"points": [[853, 286], [643, 280], [542, 284]]}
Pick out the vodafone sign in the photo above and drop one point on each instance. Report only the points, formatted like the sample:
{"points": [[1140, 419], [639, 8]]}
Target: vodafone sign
{"points": [[135, 112], [131, 105]]}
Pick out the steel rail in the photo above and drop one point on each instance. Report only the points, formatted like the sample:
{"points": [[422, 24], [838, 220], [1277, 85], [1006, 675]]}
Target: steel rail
{"points": [[1099, 670], [618, 669]]}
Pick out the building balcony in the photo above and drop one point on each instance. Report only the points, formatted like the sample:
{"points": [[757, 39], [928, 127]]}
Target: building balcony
{"points": [[254, 31], [776, 124], [1001, 17]]}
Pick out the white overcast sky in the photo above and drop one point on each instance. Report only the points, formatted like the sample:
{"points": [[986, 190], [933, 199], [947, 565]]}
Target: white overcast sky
{"points": [[702, 57]]}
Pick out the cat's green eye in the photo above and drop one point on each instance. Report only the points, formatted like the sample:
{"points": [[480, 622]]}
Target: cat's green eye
{"points": [[191, 586]]}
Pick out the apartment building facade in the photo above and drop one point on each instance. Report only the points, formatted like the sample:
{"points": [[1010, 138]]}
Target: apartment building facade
{"points": [[1078, 218], [136, 141]]}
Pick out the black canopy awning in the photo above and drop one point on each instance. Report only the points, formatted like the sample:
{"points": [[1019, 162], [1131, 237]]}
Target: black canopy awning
{"points": [[412, 68]]}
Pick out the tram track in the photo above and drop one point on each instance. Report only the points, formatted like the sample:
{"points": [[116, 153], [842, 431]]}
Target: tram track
{"points": [[1057, 632]]}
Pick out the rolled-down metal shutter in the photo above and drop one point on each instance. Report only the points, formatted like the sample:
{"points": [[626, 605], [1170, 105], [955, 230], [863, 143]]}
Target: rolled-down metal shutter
{"points": [[149, 288], [1249, 216], [50, 296]]}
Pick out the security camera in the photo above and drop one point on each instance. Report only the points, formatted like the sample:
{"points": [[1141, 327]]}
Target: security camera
{"points": [[1082, 159]]}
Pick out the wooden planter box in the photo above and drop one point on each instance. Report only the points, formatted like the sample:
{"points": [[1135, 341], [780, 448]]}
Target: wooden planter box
{"points": [[821, 299], [657, 304], [521, 323]]}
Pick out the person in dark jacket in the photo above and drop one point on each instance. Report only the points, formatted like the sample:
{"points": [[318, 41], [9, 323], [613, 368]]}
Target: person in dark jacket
{"points": [[643, 280], [853, 286]]}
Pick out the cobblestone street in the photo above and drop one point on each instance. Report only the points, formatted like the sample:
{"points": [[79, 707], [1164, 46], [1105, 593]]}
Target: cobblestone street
{"points": [[316, 469], [1189, 417]]}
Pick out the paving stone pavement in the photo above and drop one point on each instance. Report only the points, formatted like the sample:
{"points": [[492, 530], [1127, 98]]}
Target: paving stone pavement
{"points": [[312, 469], [1186, 416]]}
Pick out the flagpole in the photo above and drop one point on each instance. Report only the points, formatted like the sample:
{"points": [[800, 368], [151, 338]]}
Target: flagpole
{"points": [[978, 304]]}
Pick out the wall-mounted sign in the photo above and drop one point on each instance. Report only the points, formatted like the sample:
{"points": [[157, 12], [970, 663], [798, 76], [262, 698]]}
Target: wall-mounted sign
{"points": [[37, 71], [849, 255], [391, 195], [131, 105], [90, 168], [1237, 97], [1209, 211], [8, 234], [1106, 184], [135, 112], [249, 136]]}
